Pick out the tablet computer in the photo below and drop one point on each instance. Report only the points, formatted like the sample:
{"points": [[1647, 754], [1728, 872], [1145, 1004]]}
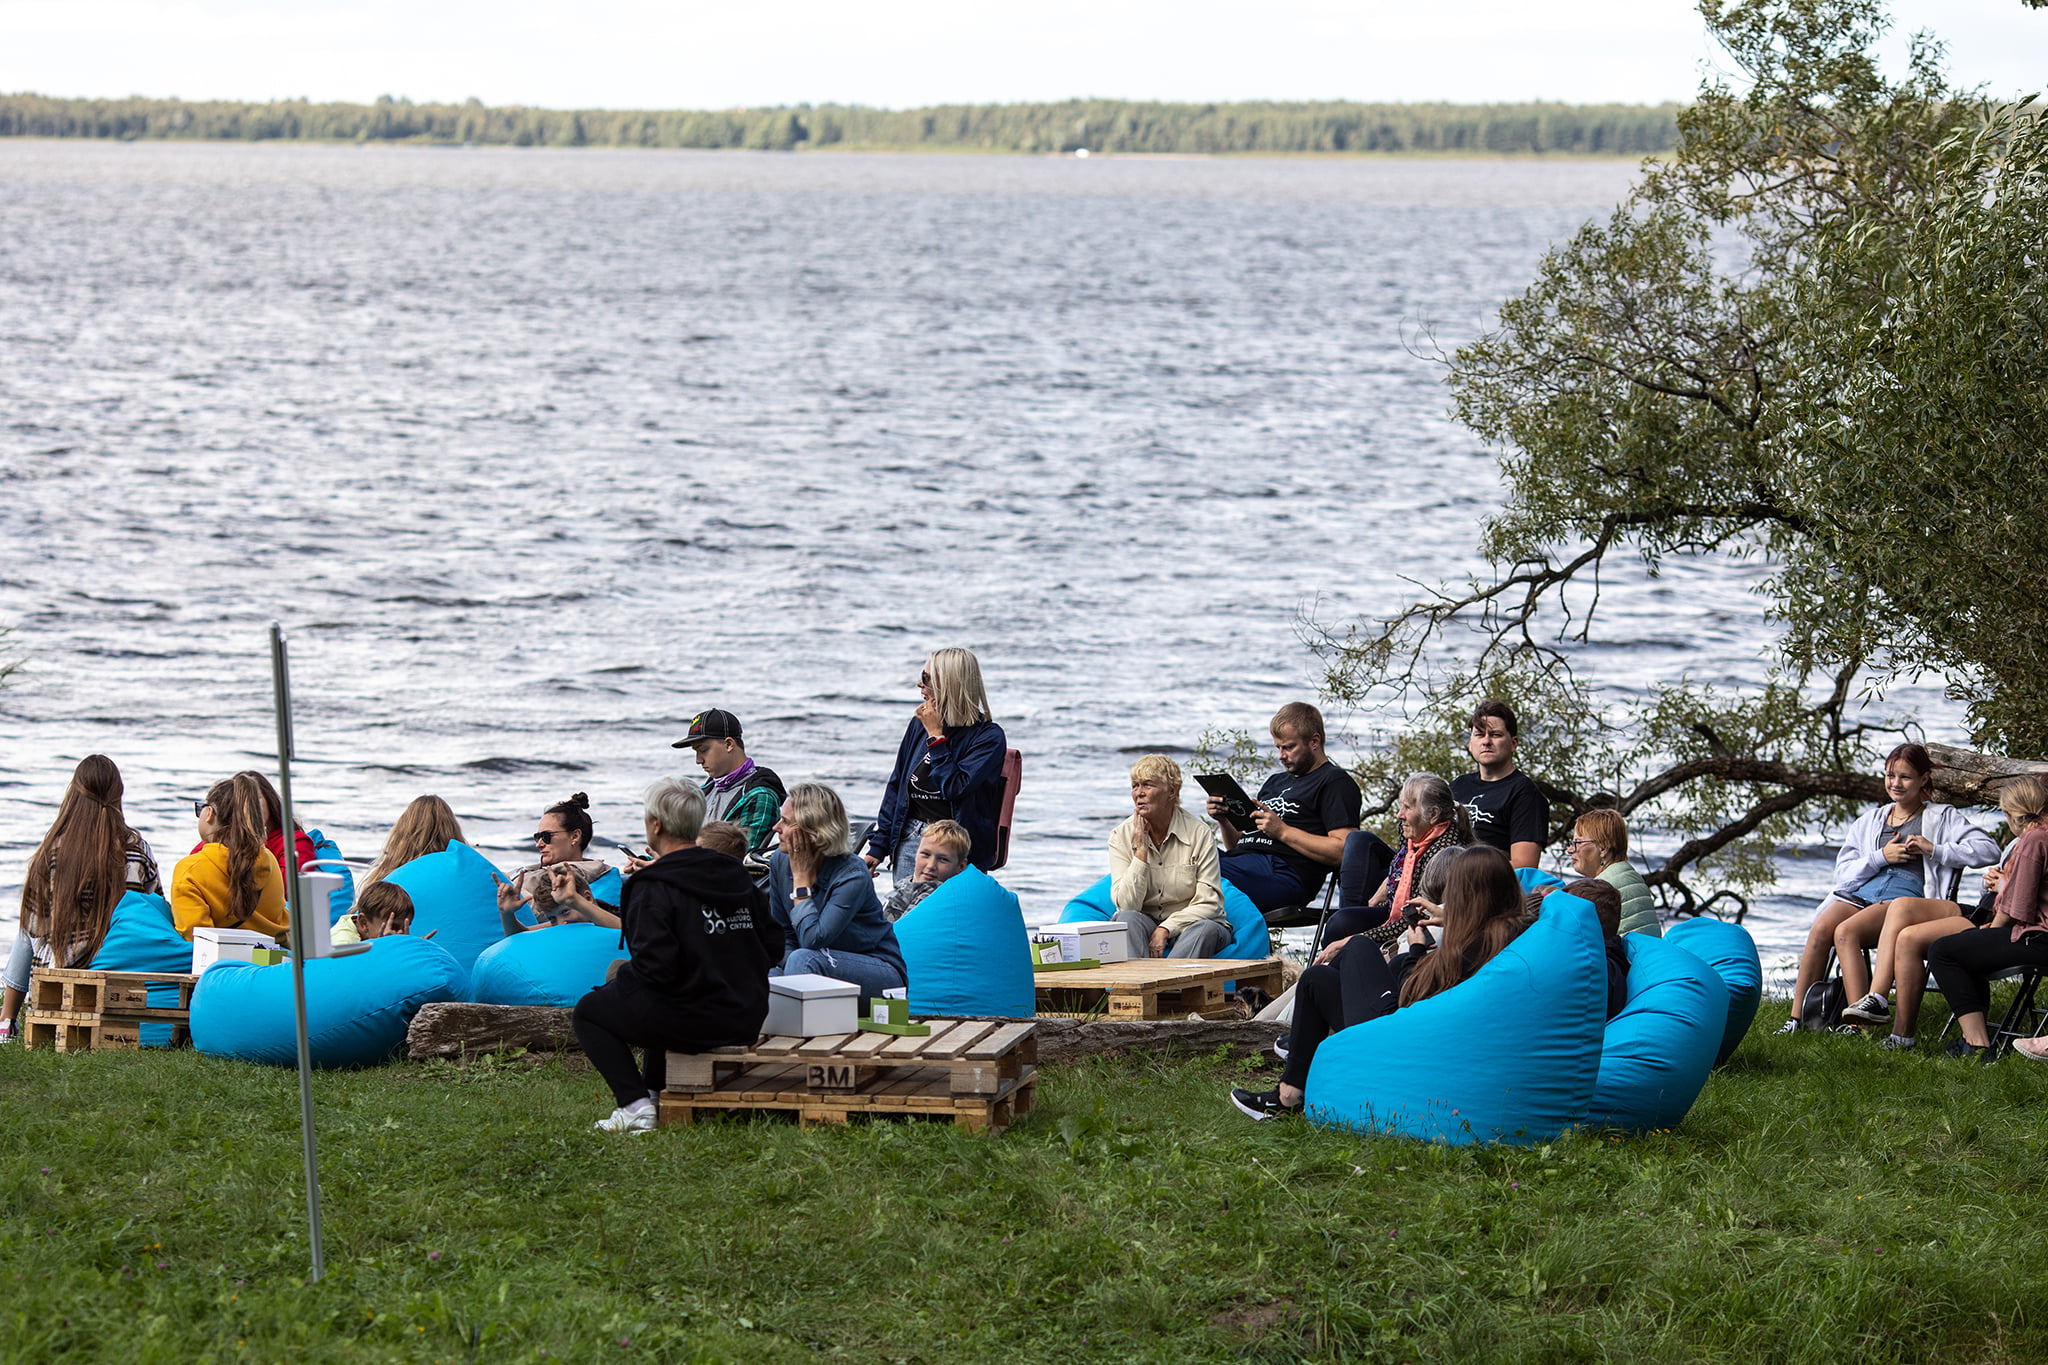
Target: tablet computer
{"points": [[1236, 804]]}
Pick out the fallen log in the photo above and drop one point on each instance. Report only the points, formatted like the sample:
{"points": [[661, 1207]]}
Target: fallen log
{"points": [[457, 1029], [1966, 777]]}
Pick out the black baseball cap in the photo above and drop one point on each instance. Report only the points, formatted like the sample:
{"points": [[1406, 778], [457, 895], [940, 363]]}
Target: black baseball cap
{"points": [[712, 724]]}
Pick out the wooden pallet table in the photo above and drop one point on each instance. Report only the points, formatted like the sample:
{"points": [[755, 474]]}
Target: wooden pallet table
{"points": [[1155, 987], [978, 1074], [74, 1010]]}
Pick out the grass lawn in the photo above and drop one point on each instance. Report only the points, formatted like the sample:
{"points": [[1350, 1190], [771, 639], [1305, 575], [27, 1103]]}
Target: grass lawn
{"points": [[1825, 1202]]}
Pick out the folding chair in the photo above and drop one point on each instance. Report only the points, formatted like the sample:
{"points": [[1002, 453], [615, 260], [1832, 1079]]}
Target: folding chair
{"points": [[1013, 778]]}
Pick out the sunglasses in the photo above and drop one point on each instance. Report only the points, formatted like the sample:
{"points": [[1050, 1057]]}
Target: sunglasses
{"points": [[544, 837], [924, 679], [199, 808]]}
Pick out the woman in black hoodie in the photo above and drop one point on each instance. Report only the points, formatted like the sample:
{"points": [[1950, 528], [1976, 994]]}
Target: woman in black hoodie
{"points": [[702, 942]]}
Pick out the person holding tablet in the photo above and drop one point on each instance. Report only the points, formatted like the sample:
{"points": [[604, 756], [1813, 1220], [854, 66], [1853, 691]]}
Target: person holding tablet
{"points": [[1300, 821]]}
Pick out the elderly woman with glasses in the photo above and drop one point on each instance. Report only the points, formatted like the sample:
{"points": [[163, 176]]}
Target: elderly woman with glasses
{"points": [[948, 767], [558, 886], [1599, 848]]}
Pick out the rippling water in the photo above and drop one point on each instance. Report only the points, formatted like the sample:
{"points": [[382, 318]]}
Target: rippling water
{"points": [[536, 453]]}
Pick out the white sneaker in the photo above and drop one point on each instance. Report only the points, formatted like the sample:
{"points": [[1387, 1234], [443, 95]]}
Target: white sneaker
{"points": [[637, 1117]]}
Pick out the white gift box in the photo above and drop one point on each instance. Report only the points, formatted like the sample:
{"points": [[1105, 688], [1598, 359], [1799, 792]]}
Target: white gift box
{"points": [[211, 945], [806, 1006], [1103, 940]]}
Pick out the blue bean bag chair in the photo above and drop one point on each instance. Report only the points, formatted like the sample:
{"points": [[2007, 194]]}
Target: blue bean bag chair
{"points": [[1536, 879], [557, 966], [1250, 939], [357, 1007], [142, 938], [966, 952], [343, 898], [1659, 1049], [1509, 1055], [1731, 952], [455, 898]]}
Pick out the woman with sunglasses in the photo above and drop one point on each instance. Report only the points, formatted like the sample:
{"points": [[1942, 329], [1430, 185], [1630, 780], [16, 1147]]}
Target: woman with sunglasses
{"points": [[64, 918], [232, 881], [949, 767], [559, 884], [1599, 849]]}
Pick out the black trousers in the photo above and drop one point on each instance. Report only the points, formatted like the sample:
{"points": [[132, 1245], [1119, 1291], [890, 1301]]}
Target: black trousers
{"points": [[1354, 919], [1964, 963], [1355, 986], [612, 1019]]}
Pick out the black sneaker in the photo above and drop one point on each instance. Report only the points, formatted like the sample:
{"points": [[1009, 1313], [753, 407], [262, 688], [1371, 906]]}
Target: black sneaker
{"points": [[1871, 1009], [1262, 1104], [1789, 1026], [1964, 1049], [1280, 1047]]}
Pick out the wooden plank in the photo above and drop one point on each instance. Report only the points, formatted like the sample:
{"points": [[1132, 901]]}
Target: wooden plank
{"points": [[162, 1014], [825, 1044], [865, 1045], [961, 1037], [777, 1046], [909, 1047], [1001, 1040]]}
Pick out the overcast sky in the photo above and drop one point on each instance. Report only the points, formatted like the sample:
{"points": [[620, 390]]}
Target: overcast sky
{"points": [[899, 53]]}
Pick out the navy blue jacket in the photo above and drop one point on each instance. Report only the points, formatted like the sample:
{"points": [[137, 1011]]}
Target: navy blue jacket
{"points": [[968, 768], [843, 913]]}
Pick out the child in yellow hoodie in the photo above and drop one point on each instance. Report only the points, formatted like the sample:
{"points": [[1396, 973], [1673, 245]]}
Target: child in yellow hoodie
{"points": [[232, 881]]}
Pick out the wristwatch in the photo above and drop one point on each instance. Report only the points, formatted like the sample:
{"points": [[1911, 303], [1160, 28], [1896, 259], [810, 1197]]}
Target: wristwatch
{"points": [[802, 893]]}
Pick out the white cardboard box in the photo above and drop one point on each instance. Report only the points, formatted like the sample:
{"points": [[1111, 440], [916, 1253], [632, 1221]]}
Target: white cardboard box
{"points": [[211, 945], [806, 1006], [1103, 940]]}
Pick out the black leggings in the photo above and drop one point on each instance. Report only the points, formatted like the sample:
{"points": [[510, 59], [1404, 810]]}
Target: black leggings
{"points": [[1964, 963], [611, 1019], [1354, 919], [1355, 986]]}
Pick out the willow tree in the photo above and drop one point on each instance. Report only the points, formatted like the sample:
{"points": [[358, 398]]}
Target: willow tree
{"points": [[1815, 339]]}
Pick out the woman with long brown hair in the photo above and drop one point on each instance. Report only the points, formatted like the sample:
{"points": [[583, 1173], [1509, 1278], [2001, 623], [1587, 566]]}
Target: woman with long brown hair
{"points": [[425, 826], [232, 881], [1482, 914], [64, 915]]}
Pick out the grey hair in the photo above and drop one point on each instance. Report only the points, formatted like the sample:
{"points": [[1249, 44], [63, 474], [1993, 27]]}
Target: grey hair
{"points": [[816, 810], [677, 807], [1430, 795]]}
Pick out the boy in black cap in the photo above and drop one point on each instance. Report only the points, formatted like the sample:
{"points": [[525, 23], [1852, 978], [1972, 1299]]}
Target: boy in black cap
{"points": [[736, 788]]}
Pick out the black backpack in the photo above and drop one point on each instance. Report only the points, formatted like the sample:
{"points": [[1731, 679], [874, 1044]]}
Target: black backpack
{"points": [[1821, 1010]]}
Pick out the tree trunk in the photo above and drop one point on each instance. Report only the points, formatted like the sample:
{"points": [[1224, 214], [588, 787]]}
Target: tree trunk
{"points": [[456, 1029], [1965, 777]]}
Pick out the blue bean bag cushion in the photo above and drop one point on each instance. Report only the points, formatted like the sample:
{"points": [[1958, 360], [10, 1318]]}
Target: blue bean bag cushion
{"points": [[357, 1007], [1509, 1055], [343, 898], [455, 898], [1536, 879], [556, 966], [966, 952], [141, 938], [1250, 939], [1659, 1049], [1731, 952]]}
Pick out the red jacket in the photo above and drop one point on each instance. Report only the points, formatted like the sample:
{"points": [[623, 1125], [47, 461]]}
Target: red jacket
{"points": [[275, 843]]}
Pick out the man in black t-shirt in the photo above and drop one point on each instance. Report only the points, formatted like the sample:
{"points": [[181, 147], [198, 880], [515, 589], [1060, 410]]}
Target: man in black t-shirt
{"points": [[1508, 810], [1303, 814]]}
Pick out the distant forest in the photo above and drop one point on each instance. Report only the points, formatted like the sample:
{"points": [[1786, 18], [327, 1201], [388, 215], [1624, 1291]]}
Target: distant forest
{"points": [[1098, 125]]}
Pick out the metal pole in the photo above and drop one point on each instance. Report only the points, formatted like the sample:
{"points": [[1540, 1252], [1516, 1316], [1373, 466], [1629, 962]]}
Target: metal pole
{"points": [[280, 670]]}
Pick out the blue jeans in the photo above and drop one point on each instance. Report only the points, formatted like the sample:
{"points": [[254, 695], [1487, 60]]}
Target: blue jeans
{"points": [[1892, 883], [872, 974], [1268, 879], [15, 977], [904, 861]]}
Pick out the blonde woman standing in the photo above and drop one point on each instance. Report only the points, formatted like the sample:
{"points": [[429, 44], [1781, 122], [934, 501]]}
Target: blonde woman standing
{"points": [[949, 767], [1165, 877]]}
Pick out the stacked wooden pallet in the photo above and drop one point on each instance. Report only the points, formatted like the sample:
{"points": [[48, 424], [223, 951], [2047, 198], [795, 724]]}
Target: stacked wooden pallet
{"points": [[978, 1074], [1154, 987], [74, 1010]]}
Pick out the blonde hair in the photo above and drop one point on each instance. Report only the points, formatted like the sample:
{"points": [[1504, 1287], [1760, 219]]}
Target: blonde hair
{"points": [[1605, 828], [426, 826], [951, 836], [1157, 770], [956, 686], [816, 809], [2023, 798]]}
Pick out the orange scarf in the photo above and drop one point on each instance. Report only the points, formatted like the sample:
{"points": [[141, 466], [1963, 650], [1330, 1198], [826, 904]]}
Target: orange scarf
{"points": [[1413, 859]]}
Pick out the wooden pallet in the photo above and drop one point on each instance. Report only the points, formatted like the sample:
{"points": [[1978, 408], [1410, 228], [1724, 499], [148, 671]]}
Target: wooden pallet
{"points": [[74, 1010], [977, 1074], [1155, 987]]}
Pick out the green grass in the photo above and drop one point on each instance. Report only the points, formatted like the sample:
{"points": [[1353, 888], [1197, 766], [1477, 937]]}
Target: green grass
{"points": [[1825, 1202]]}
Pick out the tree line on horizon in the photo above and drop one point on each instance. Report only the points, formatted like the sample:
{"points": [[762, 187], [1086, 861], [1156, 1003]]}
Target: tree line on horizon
{"points": [[1064, 126]]}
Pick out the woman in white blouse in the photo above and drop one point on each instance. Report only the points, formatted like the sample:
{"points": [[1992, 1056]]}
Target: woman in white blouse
{"points": [[1164, 878]]}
